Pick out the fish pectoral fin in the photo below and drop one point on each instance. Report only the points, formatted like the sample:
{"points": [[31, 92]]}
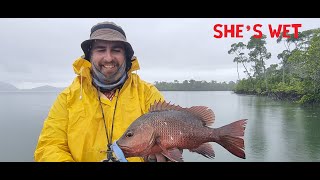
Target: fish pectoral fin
{"points": [[205, 150], [173, 154]]}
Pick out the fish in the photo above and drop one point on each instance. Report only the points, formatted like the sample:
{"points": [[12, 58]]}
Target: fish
{"points": [[169, 129]]}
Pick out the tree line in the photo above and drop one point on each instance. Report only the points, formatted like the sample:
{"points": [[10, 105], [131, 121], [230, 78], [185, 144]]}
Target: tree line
{"points": [[295, 77], [193, 85]]}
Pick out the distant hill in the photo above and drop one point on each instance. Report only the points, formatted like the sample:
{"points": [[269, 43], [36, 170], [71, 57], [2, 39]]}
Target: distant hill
{"points": [[45, 88], [7, 87]]}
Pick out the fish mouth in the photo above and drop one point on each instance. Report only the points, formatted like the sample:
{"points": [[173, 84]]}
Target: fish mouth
{"points": [[129, 151], [125, 149]]}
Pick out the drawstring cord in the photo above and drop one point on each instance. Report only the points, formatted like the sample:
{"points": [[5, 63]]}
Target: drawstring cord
{"points": [[81, 82]]}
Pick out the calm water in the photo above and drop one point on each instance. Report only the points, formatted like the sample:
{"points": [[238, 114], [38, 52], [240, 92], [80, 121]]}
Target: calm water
{"points": [[276, 131]]}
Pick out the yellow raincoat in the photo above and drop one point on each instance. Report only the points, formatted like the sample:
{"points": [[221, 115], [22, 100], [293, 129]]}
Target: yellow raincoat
{"points": [[74, 129]]}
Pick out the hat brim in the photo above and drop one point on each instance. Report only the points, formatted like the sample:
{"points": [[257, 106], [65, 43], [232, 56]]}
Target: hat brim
{"points": [[87, 45]]}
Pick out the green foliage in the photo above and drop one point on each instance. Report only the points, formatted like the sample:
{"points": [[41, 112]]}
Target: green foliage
{"points": [[310, 99], [244, 86], [296, 77], [294, 88]]}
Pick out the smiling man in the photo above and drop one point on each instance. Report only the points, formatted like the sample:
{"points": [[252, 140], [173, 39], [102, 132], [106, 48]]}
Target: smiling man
{"points": [[102, 101]]}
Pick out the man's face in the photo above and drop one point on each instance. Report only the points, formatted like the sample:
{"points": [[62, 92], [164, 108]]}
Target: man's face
{"points": [[108, 56]]}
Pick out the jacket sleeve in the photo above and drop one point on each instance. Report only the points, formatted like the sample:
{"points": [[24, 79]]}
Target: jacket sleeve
{"points": [[53, 143], [152, 96]]}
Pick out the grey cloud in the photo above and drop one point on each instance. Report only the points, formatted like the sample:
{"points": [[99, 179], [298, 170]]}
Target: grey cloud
{"points": [[43, 50]]}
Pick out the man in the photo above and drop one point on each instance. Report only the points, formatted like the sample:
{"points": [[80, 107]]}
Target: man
{"points": [[99, 105]]}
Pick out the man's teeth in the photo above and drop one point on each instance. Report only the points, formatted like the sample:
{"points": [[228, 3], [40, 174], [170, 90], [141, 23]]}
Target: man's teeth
{"points": [[108, 66]]}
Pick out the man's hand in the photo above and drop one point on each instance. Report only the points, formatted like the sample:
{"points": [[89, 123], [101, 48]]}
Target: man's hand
{"points": [[118, 153], [158, 157]]}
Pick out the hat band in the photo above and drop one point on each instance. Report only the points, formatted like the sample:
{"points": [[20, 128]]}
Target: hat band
{"points": [[107, 26], [108, 34]]}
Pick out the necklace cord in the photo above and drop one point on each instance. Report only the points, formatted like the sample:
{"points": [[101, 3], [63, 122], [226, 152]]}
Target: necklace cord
{"points": [[104, 121]]}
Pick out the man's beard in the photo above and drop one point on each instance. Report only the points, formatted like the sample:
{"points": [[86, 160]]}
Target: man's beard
{"points": [[111, 82]]}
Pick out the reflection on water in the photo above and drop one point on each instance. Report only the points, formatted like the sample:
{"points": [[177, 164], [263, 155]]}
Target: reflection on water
{"points": [[21, 120], [276, 131]]}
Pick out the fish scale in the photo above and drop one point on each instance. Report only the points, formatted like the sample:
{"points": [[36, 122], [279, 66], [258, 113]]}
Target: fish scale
{"points": [[168, 128]]}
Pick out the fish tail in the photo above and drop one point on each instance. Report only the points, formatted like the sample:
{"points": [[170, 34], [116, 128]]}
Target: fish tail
{"points": [[230, 137]]}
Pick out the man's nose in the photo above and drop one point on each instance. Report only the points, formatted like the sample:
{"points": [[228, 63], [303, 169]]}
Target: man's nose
{"points": [[107, 56]]}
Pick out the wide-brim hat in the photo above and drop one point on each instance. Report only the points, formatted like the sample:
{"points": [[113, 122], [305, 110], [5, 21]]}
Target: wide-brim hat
{"points": [[108, 31]]}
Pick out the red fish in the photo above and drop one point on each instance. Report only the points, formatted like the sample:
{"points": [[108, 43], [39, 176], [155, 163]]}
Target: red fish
{"points": [[168, 128]]}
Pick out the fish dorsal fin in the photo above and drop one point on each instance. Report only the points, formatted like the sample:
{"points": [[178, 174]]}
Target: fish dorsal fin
{"points": [[205, 114], [163, 106]]}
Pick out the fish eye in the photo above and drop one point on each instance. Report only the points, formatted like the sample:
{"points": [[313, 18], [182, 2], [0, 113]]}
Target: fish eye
{"points": [[129, 134]]}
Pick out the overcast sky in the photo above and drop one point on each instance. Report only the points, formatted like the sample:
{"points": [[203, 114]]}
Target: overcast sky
{"points": [[36, 52]]}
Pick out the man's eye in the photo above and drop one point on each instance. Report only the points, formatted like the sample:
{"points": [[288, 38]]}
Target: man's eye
{"points": [[100, 50], [117, 50]]}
